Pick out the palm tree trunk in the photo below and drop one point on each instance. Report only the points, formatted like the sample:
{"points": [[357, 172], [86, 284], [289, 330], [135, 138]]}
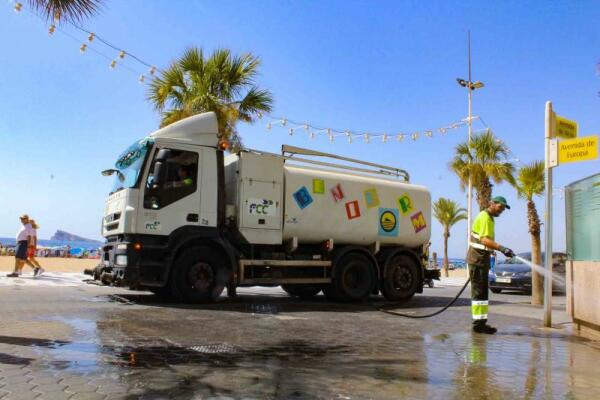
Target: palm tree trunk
{"points": [[484, 193], [446, 235], [537, 280]]}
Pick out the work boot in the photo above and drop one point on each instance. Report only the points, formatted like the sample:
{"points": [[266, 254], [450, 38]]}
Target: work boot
{"points": [[488, 330]]}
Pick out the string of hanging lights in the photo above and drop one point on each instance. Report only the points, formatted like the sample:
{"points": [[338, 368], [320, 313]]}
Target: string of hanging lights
{"points": [[295, 127]]}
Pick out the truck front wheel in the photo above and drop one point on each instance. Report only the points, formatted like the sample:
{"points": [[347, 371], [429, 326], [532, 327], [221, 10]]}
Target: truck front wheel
{"points": [[302, 291], [401, 278], [198, 275]]}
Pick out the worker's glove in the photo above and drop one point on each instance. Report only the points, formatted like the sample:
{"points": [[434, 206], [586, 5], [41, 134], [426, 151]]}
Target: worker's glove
{"points": [[507, 252]]}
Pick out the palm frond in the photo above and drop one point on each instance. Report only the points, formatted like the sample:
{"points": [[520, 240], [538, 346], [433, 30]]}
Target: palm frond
{"points": [[222, 82], [66, 10]]}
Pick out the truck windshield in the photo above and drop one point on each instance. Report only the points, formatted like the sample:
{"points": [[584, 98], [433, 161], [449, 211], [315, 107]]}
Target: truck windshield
{"points": [[130, 163]]}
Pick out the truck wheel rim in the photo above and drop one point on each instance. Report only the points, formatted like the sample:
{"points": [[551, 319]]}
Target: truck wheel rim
{"points": [[200, 276], [402, 277]]}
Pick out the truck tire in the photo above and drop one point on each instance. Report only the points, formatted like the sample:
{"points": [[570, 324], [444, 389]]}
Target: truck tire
{"points": [[198, 275], [353, 279], [302, 291], [401, 278]]}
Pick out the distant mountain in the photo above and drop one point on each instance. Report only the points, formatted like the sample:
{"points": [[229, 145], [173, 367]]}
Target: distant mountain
{"points": [[69, 237]]}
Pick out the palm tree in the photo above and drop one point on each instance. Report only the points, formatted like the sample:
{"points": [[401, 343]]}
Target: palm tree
{"points": [[223, 83], [530, 183], [72, 11], [486, 160], [448, 213]]}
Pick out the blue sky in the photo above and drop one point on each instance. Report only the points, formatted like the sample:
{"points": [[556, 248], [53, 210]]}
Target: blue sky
{"points": [[366, 66]]}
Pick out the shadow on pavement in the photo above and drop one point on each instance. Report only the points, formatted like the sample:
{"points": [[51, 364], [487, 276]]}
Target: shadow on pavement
{"points": [[266, 304]]}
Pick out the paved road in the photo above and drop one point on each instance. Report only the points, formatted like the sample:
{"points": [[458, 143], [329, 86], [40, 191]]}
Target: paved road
{"points": [[89, 342]]}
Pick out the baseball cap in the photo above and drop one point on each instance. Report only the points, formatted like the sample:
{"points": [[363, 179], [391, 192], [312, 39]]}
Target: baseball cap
{"points": [[501, 200]]}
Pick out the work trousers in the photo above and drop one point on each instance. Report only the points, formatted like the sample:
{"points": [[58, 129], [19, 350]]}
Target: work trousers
{"points": [[479, 293]]}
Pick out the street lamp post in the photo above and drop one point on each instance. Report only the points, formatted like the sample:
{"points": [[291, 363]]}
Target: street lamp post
{"points": [[471, 86]]}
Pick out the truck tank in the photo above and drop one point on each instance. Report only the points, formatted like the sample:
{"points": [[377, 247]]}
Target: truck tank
{"points": [[351, 208]]}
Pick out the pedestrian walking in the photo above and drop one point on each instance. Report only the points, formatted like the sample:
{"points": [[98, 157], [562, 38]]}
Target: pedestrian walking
{"points": [[481, 246], [31, 251], [24, 240]]}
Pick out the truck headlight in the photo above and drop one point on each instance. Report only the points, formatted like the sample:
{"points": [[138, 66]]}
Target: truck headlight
{"points": [[121, 259]]}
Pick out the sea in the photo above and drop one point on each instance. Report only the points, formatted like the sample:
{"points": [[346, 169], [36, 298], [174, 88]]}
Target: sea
{"points": [[86, 245]]}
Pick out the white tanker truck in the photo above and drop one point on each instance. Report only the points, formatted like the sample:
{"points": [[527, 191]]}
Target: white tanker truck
{"points": [[185, 221]]}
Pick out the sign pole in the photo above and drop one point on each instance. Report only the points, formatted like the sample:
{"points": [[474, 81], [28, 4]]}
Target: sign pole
{"points": [[549, 134]]}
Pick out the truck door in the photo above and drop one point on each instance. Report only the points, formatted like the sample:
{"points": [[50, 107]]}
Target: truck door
{"points": [[172, 191]]}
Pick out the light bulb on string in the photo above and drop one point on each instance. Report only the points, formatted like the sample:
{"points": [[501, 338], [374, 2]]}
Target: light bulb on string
{"points": [[152, 71], [429, 134], [113, 64], [312, 135], [400, 137], [141, 79], [367, 138], [307, 127], [291, 131], [260, 115], [122, 54], [384, 138], [91, 37], [269, 126], [18, 7], [82, 48], [414, 136], [56, 16], [284, 122], [442, 130], [330, 137], [350, 138], [51, 29]]}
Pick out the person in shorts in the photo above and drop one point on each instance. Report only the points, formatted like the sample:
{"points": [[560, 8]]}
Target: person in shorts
{"points": [[24, 240], [31, 250]]}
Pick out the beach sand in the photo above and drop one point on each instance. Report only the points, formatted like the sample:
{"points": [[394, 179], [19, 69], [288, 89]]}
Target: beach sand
{"points": [[51, 264], [56, 264]]}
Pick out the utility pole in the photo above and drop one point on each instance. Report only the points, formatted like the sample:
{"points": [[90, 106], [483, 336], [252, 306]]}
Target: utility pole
{"points": [[470, 185], [471, 86], [549, 135]]}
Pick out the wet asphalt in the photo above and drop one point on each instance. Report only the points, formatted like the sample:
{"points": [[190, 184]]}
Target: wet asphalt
{"points": [[90, 342]]}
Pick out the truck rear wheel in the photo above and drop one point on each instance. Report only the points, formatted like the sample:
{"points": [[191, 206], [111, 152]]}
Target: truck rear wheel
{"points": [[353, 279], [197, 275], [301, 291], [401, 279]]}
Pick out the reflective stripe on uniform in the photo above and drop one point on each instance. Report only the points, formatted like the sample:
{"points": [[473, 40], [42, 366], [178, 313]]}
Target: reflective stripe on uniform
{"points": [[479, 309], [479, 246]]}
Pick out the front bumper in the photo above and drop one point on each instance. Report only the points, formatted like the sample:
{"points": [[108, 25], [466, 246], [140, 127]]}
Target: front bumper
{"points": [[132, 261]]}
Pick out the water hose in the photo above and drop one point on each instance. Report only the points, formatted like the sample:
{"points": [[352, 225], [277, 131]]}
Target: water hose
{"points": [[385, 309]]}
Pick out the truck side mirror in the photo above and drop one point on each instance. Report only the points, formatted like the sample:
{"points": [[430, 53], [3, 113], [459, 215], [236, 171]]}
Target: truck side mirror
{"points": [[163, 154], [159, 172]]}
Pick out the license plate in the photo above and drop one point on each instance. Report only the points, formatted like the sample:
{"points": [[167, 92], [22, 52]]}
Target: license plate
{"points": [[502, 280]]}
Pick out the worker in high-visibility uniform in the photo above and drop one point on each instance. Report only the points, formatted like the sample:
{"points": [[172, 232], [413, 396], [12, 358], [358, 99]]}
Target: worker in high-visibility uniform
{"points": [[481, 246]]}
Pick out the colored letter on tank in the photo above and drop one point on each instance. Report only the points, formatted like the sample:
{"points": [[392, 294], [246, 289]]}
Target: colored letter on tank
{"points": [[302, 197], [418, 222], [337, 193], [352, 209]]}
